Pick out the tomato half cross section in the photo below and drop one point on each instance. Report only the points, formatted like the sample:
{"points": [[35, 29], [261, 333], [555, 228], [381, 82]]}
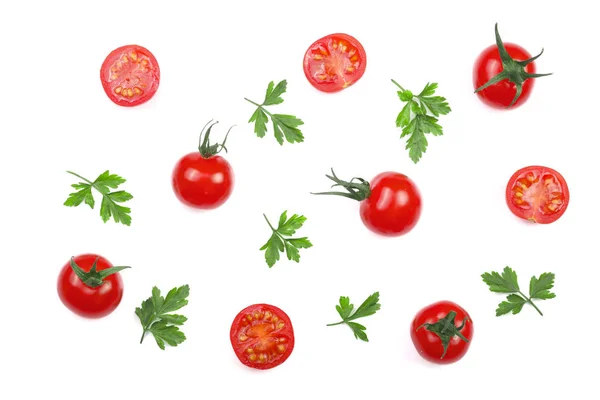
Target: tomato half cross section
{"points": [[335, 62], [262, 336], [130, 75], [538, 194]]}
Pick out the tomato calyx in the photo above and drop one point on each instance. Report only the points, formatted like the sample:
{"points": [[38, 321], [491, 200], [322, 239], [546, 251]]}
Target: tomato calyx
{"points": [[93, 278], [512, 70], [446, 329], [358, 191], [206, 149]]}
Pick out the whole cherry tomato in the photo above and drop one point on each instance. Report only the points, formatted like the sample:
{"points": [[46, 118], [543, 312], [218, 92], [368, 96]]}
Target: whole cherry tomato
{"points": [[90, 286], [203, 179], [390, 204], [502, 74], [442, 332]]}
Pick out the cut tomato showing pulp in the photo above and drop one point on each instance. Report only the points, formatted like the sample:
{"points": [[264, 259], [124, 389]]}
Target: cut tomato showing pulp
{"points": [[335, 62], [130, 75], [262, 336], [536, 193]]}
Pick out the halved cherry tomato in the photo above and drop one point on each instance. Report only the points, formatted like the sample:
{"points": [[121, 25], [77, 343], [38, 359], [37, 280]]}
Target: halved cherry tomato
{"points": [[536, 193], [335, 62], [130, 75], [262, 336]]}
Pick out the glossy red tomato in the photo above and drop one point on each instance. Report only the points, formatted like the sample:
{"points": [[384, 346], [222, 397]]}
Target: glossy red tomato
{"points": [[335, 62], [99, 295], [442, 332], [262, 336], [501, 94], [394, 206], [538, 194], [130, 75]]}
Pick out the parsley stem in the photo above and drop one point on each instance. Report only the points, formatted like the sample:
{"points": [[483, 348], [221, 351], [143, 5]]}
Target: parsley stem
{"points": [[531, 302], [337, 323], [259, 106], [81, 177], [397, 84]]}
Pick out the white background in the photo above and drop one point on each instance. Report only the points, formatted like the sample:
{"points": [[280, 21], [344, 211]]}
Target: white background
{"points": [[55, 117]]}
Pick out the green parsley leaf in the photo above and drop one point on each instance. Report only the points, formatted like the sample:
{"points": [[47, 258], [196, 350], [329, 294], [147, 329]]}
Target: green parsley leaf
{"points": [[109, 206], [284, 126], [539, 288], [420, 116], [369, 307], [154, 318], [277, 243]]}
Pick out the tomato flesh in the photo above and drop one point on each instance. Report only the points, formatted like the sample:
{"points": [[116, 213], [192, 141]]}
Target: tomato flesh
{"points": [[394, 206], [536, 193], [130, 75], [334, 62], [86, 301], [262, 336], [203, 183], [501, 94]]}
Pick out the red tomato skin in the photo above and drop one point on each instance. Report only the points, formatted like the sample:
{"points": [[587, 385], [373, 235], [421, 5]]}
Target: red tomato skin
{"points": [[429, 345], [537, 217], [203, 183], [289, 335], [489, 64], [153, 78], [331, 87], [86, 301], [394, 207]]}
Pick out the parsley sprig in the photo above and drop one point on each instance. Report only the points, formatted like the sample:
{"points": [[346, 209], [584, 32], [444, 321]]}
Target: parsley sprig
{"points": [[283, 125], [155, 318], [278, 243], [369, 307], [420, 116], [539, 288], [109, 206]]}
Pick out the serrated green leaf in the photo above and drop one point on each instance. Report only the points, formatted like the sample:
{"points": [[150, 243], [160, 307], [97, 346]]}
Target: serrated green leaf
{"points": [[505, 283], [513, 304], [273, 95], [403, 118], [280, 241], [285, 127], [84, 194], [108, 209], [107, 181], [166, 333], [359, 331], [540, 288], [154, 317], [345, 308], [415, 121], [369, 307]]}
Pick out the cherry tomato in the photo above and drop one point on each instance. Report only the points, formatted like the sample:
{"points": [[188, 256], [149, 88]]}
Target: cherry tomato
{"points": [[262, 336], [538, 194], [394, 206], [203, 179], [335, 62], [87, 291], [442, 332], [130, 75], [509, 70]]}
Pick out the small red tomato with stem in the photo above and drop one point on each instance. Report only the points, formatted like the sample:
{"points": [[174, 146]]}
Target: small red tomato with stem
{"points": [[334, 62], [130, 75], [90, 286], [203, 179], [442, 332], [538, 194], [390, 204], [502, 75], [262, 336]]}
